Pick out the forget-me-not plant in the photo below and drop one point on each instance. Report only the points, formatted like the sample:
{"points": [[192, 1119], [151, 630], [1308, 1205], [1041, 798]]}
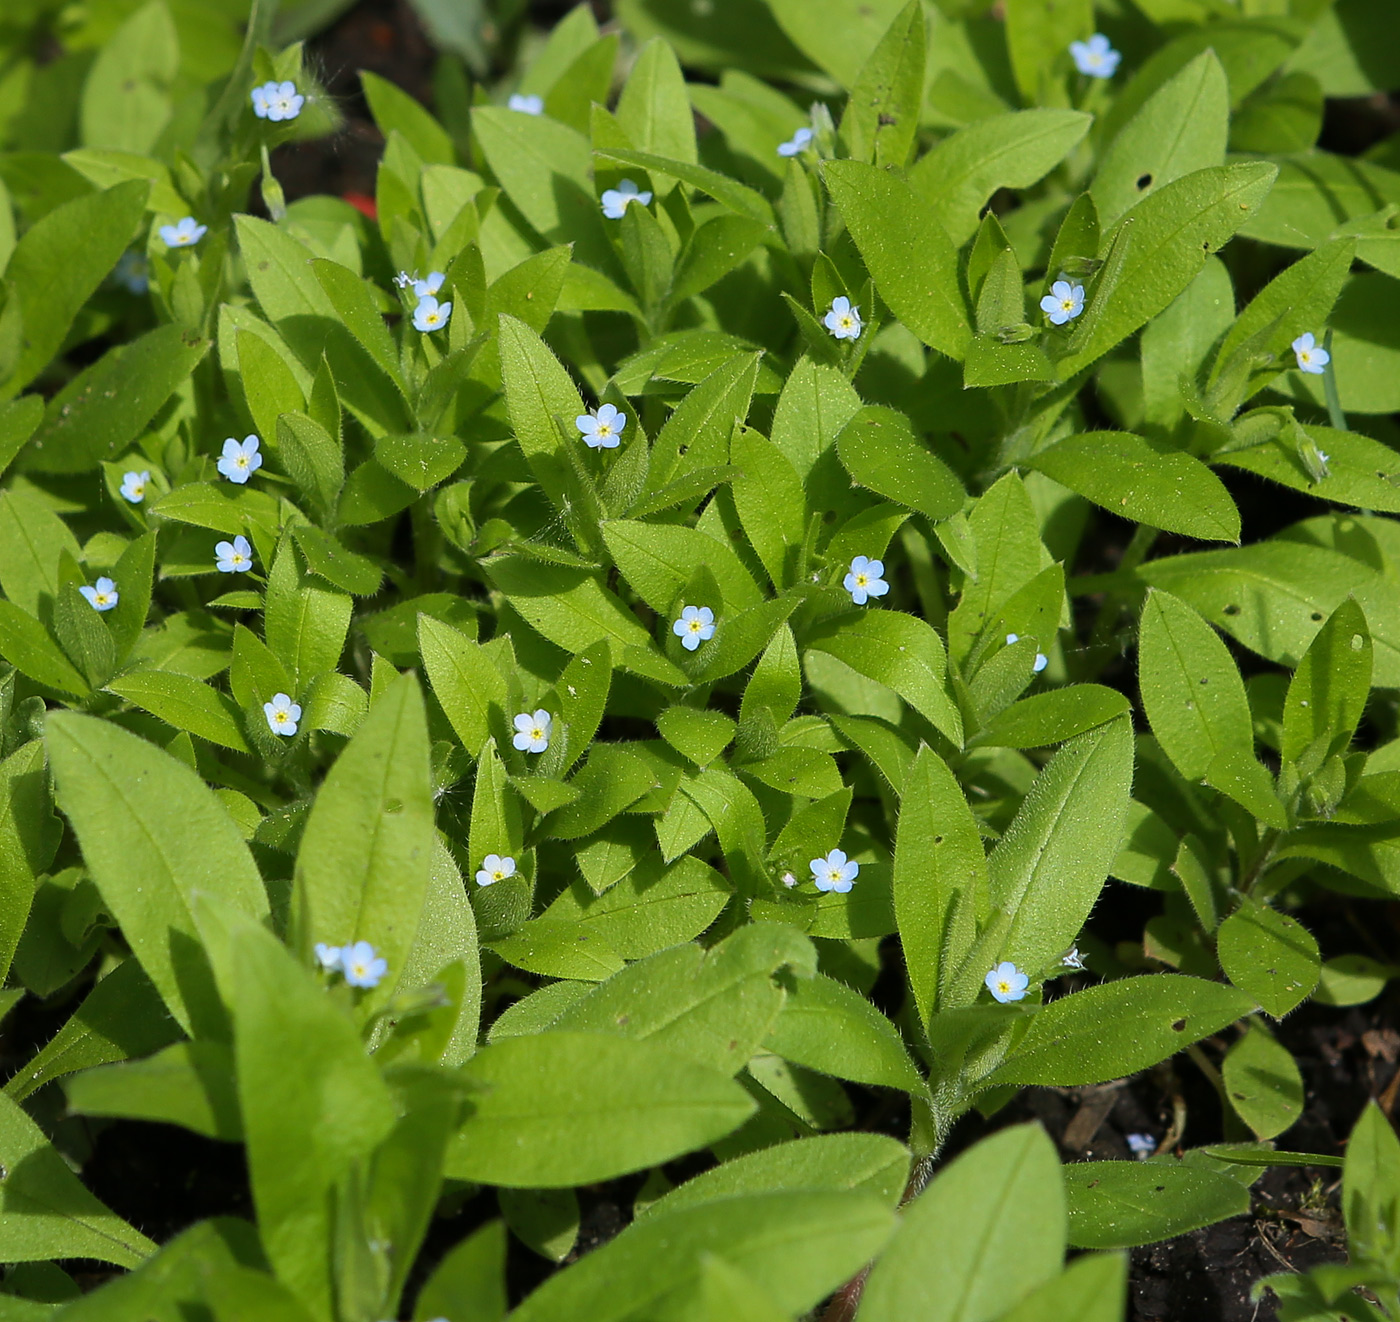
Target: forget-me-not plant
{"points": [[843, 320], [328, 957], [134, 484], [277, 101], [361, 966], [1311, 356], [1095, 57], [240, 459], [183, 234], [235, 557], [430, 315], [601, 428], [102, 596], [1041, 660], [695, 626], [282, 714], [864, 579], [616, 200], [532, 731], [495, 868], [1007, 983], [796, 143], [527, 103], [1063, 303], [835, 872]]}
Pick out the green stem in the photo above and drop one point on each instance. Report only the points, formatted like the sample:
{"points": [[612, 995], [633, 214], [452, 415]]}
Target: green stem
{"points": [[1335, 416], [1268, 847]]}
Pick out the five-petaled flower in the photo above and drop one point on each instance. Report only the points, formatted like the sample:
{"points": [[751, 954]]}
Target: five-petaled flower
{"points": [[1095, 57], [430, 286], [1141, 1146], [430, 315], [282, 714], [183, 234], [328, 957], [1312, 358], [796, 143], [835, 872], [1007, 983], [1041, 660], [277, 101], [240, 459], [615, 200], [865, 580], [695, 626], [134, 486], [361, 966], [1063, 303], [842, 320], [102, 596], [131, 272], [532, 731], [526, 103], [495, 868], [602, 428], [235, 557]]}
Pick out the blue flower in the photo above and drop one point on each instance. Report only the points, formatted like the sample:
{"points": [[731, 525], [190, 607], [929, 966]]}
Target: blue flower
{"points": [[430, 286], [282, 714], [1141, 1146], [532, 731], [1063, 303], [134, 486], [131, 272], [277, 101], [602, 428], [361, 966], [495, 868], [842, 320], [864, 580], [240, 459], [1007, 983], [103, 596], [1095, 57], [235, 557], [835, 872], [183, 234], [615, 200], [695, 626], [796, 143], [1311, 358], [430, 315], [526, 104], [328, 957]]}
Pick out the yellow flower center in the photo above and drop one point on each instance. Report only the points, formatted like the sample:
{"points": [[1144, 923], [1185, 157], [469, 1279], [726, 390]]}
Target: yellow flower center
{"points": [[862, 580], [498, 875], [280, 717], [696, 625], [604, 429], [1067, 304], [536, 733], [847, 323], [1003, 985]]}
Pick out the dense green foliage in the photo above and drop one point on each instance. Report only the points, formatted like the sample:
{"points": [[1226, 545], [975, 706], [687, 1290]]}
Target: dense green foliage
{"points": [[705, 594]]}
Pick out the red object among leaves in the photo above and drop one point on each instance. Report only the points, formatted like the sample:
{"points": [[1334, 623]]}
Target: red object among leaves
{"points": [[363, 203]]}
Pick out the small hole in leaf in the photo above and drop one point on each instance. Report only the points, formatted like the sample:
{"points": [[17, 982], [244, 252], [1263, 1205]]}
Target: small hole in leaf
{"points": [[681, 449], [1179, 1026], [1204, 680], [1144, 181], [1356, 643], [1316, 615], [1159, 1188], [1232, 609], [938, 839]]}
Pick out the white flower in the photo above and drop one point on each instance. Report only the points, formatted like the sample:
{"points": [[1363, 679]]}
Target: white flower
{"points": [[1063, 303], [183, 233], [1072, 959], [1095, 57], [282, 714], [362, 967], [842, 320], [277, 101], [1141, 1146], [240, 459], [615, 200], [430, 315], [1311, 357], [403, 280], [328, 957], [788, 880], [526, 104], [695, 626], [1041, 660], [423, 288], [835, 872], [865, 580], [1007, 983], [103, 596], [134, 486], [532, 731], [494, 868], [235, 557], [796, 143], [602, 428]]}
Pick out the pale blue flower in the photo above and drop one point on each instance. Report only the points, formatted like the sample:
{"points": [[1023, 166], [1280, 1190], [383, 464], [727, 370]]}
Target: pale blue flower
{"points": [[526, 104], [602, 428], [1095, 57], [1007, 983], [277, 101], [1072, 959], [183, 234], [495, 868], [328, 957], [1312, 358], [835, 872], [240, 459], [865, 580], [101, 597], [235, 557], [842, 320], [430, 286], [1041, 660], [134, 486], [131, 272], [282, 714], [695, 626], [532, 731], [430, 315], [615, 200], [1141, 1146], [796, 143], [403, 280], [1063, 303], [362, 967]]}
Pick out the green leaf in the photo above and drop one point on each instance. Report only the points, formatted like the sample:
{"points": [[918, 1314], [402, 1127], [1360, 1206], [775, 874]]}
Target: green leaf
{"points": [[1118, 1028], [737, 197], [1120, 1204], [654, 109], [126, 99], [1127, 476], [696, 436], [543, 166], [185, 703], [305, 624], [420, 460], [994, 1219], [280, 271], [1328, 692], [1090, 1289], [33, 540], [189, 1084], [313, 457], [559, 1109], [469, 1284], [153, 837], [906, 251], [1269, 955], [716, 248], [1050, 718], [1263, 1083], [881, 118], [1359, 471], [881, 453], [394, 110], [465, 682], [573, 610], [18, 419], [539, 394], [659, 560], [328, 559], [769, 500], [1371, 1190], [1037, 35], [26, 645]]}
